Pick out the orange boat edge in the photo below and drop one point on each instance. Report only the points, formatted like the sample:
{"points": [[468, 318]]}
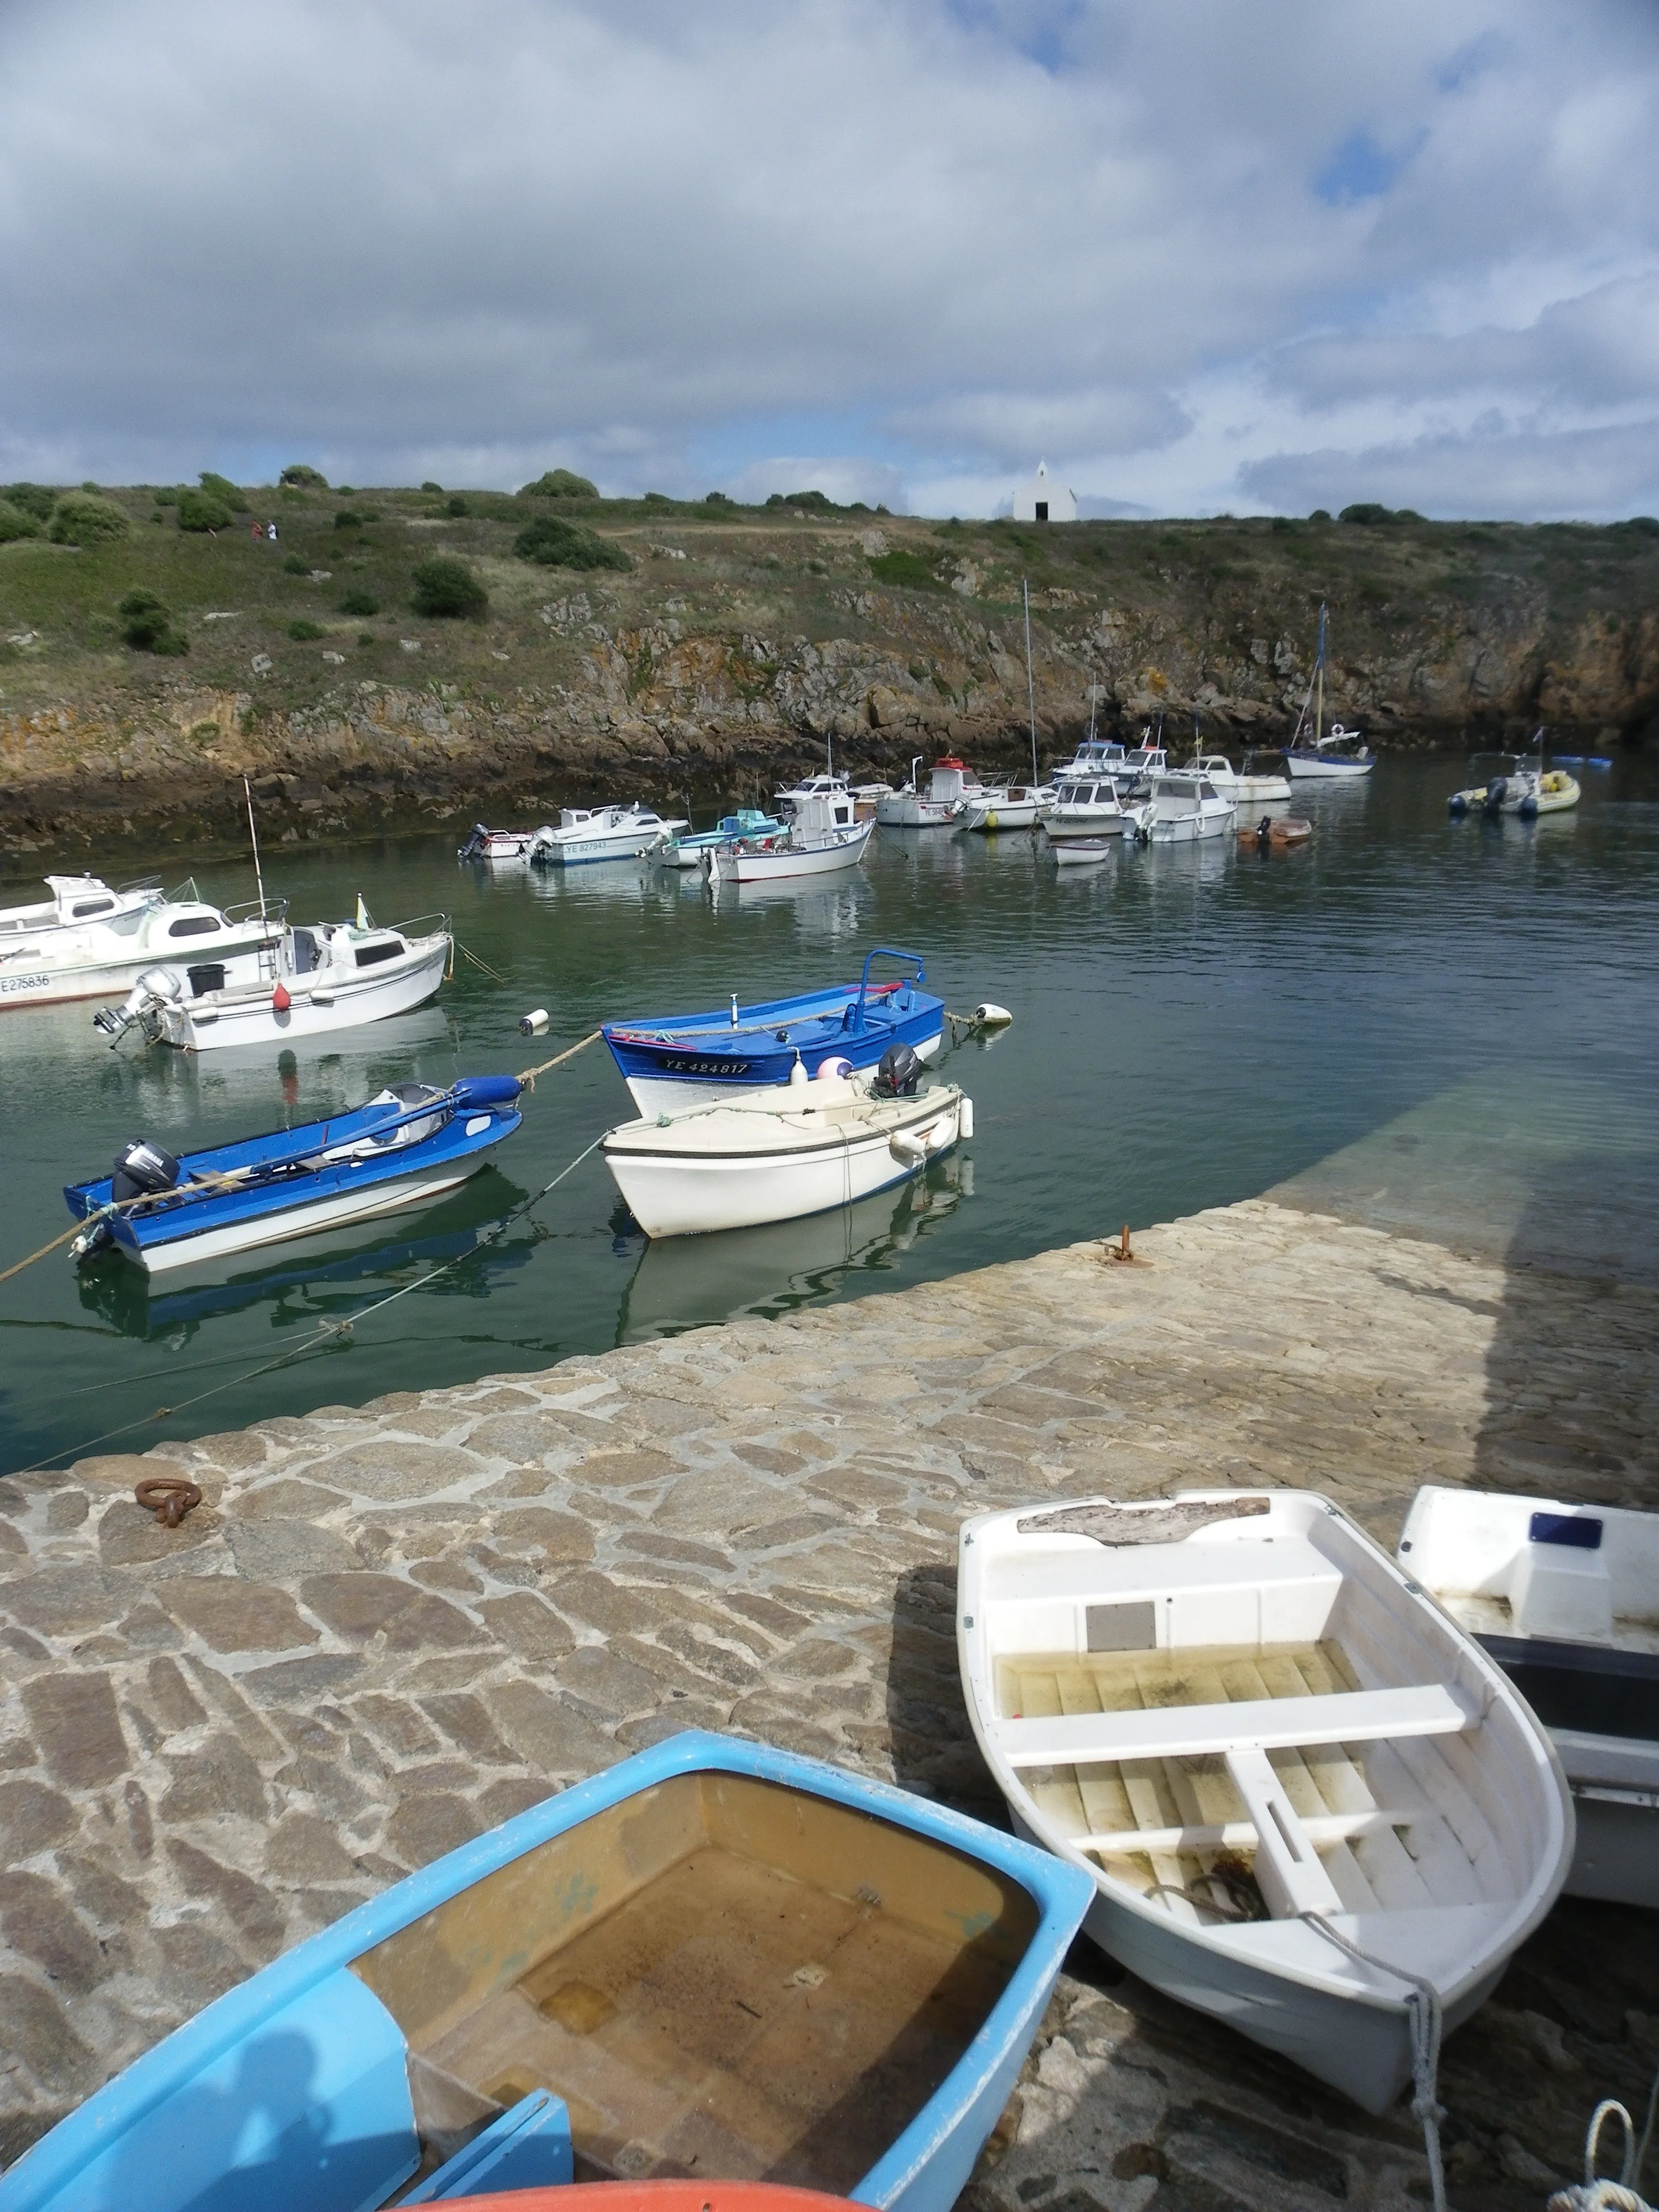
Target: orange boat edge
{"points": [[652, 2197]]}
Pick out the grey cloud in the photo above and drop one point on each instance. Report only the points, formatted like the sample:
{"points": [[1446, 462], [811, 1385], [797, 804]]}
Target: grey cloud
{"points": [[1011, 428], [1561, 475]]}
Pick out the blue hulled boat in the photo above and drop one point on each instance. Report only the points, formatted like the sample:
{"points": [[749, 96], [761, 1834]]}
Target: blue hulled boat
{"points": [[735, 1049], [405, 1146], [715, 1959]]}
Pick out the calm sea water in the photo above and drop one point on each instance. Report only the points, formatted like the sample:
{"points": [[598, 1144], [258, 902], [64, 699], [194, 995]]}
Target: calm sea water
{"points": [[1191, 1027]]}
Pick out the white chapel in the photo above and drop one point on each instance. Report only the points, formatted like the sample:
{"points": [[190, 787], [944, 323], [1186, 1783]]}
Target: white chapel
{"points": [[1043, 501]]}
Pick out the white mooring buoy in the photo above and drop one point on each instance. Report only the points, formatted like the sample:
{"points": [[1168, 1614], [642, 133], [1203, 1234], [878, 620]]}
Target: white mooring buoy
{"points": [[987, 1017], [533, 1024]]}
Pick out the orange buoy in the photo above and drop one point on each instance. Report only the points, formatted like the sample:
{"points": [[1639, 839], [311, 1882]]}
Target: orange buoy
{"points": [[280, 999]]}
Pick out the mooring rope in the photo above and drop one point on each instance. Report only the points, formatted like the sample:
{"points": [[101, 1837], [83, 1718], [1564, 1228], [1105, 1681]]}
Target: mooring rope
{"points": [[1423, 2009], [528, 1079], [1598, 2193]]}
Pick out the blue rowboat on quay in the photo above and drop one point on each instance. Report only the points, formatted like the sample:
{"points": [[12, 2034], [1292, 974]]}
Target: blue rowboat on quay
{"points": [[715, 1960], [735, 1048], [404, 1147]]}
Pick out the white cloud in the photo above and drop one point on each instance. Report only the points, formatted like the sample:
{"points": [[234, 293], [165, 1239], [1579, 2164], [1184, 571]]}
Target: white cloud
{"points": [[1180, 251]]}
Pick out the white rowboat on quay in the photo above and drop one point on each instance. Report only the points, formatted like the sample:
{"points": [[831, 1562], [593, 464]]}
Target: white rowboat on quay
{"points": [[1259, 1735], [778, 1154]]}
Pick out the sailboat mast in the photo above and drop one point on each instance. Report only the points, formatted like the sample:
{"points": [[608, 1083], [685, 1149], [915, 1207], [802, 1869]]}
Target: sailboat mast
{"points": [[1031, 682], [1319, 678], [258, 878]]}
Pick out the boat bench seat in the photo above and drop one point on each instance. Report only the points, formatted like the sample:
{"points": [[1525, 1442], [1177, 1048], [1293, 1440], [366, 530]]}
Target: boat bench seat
{"points": [[1253, 1724]]}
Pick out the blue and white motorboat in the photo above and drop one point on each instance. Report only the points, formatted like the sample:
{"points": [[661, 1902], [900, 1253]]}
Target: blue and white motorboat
{"points": [[731, 1049], [687, 852], [716, 1958], [405, 1146]]}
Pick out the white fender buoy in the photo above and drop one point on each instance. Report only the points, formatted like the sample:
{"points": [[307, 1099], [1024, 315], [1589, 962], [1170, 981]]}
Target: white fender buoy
{"points": [[533, 1024], [990, 1017], [906, 1149], [798, 1075], [965, 1120], [833, 1070]]}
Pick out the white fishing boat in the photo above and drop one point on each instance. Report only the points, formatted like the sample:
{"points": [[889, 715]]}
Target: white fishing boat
{"points": [[687, 852], [498, 848], [1311, 1805], [1142, 765], [950, 784], [1007, 806], [318, 980], [1565, 1598], [75, 899], [1186, 809], [1095, 756], [1255, 784], [96, 941], [1091, 810], [823, 836], [828, 787], [797, 1148], [1338, 755], [600, 833]]}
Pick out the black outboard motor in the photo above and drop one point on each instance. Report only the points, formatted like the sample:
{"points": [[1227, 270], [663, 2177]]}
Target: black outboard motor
{"points": [[897, 1073], [142, 1170], [1496, 791], [475, 843]]}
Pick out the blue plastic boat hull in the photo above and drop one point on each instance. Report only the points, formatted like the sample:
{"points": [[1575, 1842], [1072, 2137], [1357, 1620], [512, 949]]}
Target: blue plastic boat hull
{"points": [[294, 2090]]}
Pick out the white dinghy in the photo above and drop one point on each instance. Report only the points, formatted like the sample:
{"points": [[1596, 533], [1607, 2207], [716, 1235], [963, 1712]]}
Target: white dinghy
{"points": [[788, 1149], [1272, 1752], [1566, 1599]]}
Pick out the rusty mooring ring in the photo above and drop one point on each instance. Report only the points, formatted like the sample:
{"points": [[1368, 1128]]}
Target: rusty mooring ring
{"points": [[168, 1497]]}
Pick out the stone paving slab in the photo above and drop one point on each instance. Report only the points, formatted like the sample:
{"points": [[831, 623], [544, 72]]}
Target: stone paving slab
{"points": [[389, 1627]]}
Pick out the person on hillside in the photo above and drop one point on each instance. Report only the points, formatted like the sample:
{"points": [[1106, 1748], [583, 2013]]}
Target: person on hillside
{"points": [[270, 531]]}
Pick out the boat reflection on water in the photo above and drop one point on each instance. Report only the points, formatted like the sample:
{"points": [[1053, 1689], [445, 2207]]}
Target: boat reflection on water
{"points": [[688, 1282], [318, 1279]]}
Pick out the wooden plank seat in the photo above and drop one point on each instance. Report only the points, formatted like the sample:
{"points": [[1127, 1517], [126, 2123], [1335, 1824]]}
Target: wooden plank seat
{"points": [[1255, 1723], [1241, 1835]]}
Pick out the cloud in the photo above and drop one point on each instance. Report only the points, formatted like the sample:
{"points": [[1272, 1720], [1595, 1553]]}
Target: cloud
{"points": [[933, 238], [1495, 472], [843, 479]]}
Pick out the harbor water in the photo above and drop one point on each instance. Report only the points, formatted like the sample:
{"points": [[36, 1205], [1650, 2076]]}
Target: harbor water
{"points": [[1445, 1027]]}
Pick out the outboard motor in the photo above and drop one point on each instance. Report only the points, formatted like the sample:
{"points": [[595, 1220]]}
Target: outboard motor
{"points": [[156, 987], [474, 845], [897, 1073], [141, 1169], [1495, 792]]}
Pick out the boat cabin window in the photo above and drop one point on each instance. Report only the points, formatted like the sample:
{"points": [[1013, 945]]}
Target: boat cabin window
{"points": [[1206, 789], [370, 955], [843, 815], [196, 925], [89, 907]]}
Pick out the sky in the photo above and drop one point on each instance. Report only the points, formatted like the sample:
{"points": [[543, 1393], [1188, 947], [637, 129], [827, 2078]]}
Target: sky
{"points": [[1202, 256]]}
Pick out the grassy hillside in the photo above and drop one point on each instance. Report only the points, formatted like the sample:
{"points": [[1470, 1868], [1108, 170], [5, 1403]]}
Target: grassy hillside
{"points": [[717, 634]]}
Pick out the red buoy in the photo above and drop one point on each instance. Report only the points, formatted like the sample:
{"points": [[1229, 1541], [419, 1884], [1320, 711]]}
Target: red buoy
{"points": [[280, 999]]}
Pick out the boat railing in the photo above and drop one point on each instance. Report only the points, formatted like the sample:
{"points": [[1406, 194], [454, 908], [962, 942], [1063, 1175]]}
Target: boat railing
{"points": [[885, 952], [148, 884], [266, 910]]}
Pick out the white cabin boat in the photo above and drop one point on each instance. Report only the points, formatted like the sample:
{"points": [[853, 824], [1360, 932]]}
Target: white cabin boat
{"points": [[828, 787], [1253, 785], [1095, 756], [1091, 809], [779, 1153], [823, 837], [1007, 806], [1565, 1598], [78, 952], [1142, 765], [951, 783], [600, 833], [320, 980], [1187, 808], [1256, 1733]]}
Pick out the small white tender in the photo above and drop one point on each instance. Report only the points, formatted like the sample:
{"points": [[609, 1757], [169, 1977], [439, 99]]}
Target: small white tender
{"points": [[779, 1153], [1259, 1737]]}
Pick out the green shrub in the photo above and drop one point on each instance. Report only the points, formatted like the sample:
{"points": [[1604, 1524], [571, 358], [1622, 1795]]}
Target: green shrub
{"points": [[717, 498], [430, 486], [559, 483], [1320, 514], [82, 518], [167, 495], [222, 488], [348, 519], [302, 477], [13, 523], [456, 505], [908, 570], [1368, 512], [366, 637], [302, 629], [38, 499], [1642, 526], [556, 544], [447, 588], [360, 603], [819, 502], [659, 499], [146, 625], [295, 566], [198, 510]]}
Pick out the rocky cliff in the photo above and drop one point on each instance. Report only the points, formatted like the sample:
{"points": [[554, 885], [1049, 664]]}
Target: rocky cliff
{"points": [[740, 642]]}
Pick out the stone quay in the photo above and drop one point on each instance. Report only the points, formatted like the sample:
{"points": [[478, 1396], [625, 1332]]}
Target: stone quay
{"points": [[388, 1628]]}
